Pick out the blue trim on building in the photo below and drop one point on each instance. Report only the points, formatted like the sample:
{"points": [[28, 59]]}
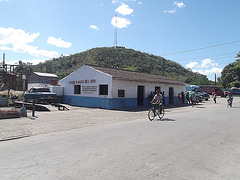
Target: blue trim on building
{"points": [[88, 101], [107, 103], [124, 103]]}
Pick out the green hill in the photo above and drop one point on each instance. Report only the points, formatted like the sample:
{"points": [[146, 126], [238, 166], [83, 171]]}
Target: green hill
{"points": [[120, 57]]}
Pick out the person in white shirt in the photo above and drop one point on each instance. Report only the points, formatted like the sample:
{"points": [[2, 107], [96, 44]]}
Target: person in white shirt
{"points": [[157, 102]]}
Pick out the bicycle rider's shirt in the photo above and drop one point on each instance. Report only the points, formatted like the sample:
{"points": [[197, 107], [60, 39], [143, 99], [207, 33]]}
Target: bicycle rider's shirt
{"points": [[157, 98]]}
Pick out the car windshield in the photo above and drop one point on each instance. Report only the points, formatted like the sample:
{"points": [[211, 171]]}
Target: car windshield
{"points": [[43, 90]]}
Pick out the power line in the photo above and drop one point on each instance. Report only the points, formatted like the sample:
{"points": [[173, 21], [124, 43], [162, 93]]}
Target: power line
{"points": [[232, 53], [216, 58], [201, 48]]}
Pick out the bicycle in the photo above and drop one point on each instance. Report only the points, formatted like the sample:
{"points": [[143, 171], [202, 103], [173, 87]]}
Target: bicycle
{"points": [[151, 114]]}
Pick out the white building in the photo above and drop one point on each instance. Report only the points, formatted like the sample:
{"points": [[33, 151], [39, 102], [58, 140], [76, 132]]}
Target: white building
{"points": [[92, 86]]}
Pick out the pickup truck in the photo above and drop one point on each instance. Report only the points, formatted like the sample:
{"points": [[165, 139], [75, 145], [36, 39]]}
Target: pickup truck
{"points": [[39, 94]]}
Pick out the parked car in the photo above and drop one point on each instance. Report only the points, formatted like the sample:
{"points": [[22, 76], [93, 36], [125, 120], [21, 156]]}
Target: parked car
{"points": [[205, 96], [39, 94], [235, 91]]}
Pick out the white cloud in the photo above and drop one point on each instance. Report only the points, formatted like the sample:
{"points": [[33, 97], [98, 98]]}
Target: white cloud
{"points": [[58, 42], [140, 3], [124, 9], [192, 65], [208, 63], [170, 11], [121, 22], [94, 27], [120, 1], [3, 0], [208, 71], [179, 4], [5, 48], [206, 67], [19, 40]]}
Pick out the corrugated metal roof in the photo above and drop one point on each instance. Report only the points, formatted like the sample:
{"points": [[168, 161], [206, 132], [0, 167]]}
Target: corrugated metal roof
{"points": [[119, 74], [45, 74]]}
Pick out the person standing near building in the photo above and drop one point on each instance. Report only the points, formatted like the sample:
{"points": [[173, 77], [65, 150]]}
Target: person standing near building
{"points": [[188, 98], [183, 97], [179, 98]]}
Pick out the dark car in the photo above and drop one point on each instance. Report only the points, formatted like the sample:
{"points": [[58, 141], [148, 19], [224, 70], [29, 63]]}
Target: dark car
{"points": [[39, 95], [235, 91], [205, 96]]}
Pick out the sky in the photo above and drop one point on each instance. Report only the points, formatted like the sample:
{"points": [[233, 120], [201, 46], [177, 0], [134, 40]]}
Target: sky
{"points": [[202, 35]]}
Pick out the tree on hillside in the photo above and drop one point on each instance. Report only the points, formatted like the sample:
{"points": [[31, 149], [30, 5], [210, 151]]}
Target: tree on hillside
{"points": [[122, 58], [230, 76]]}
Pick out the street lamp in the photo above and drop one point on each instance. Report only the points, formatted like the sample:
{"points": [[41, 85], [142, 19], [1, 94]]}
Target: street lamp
{"points": [[23, 110]]}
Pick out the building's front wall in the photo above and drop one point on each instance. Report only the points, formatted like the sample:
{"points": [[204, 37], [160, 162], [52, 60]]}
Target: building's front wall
{"points": [[130, 89], [121, 94], [89, 81]]}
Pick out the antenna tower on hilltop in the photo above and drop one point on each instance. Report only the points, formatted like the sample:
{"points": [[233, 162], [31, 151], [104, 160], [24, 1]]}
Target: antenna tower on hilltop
{"points": [[115, 36]]}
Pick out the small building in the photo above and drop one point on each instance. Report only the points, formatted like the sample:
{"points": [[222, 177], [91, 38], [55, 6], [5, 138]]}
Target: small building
{"points": [[37, 79], [92, 86]]}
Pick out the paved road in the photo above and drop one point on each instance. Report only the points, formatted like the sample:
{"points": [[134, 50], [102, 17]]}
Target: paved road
{"points": [[200, 142]]}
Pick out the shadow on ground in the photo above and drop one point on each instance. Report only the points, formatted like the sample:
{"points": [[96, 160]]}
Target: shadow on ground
{"points": [[166, 119]]}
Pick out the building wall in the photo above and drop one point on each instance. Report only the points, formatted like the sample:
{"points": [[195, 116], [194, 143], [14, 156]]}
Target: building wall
{"points": [[41, 81], [89, 79], [130, 88], [34, 78]]}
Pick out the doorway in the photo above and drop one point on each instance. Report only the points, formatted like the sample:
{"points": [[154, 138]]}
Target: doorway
{"points": [[171, 95], [140, 95]]}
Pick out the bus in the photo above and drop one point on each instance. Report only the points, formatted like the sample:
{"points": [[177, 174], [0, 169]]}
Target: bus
{"points": [[211, 88], [193, 88]]}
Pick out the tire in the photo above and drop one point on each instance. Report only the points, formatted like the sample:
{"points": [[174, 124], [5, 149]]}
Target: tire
{"points": [[162, 114], [151, 114]]}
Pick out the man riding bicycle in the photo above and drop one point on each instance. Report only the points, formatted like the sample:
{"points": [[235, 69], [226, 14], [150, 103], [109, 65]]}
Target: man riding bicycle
{"points": [[157, 102]]}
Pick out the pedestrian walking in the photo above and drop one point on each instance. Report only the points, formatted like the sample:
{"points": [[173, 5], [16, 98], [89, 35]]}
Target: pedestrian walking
{"points": [[215, 98], [193, 99], [230, 98]]}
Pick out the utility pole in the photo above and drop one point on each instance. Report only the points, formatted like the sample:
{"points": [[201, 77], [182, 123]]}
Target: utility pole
{"points": [[163, 66], [215, 79], [3, 58]]}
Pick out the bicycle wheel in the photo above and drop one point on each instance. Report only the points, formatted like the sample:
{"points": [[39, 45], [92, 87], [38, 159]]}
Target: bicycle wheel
{"points": [[151, 114], [162, 114]]}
